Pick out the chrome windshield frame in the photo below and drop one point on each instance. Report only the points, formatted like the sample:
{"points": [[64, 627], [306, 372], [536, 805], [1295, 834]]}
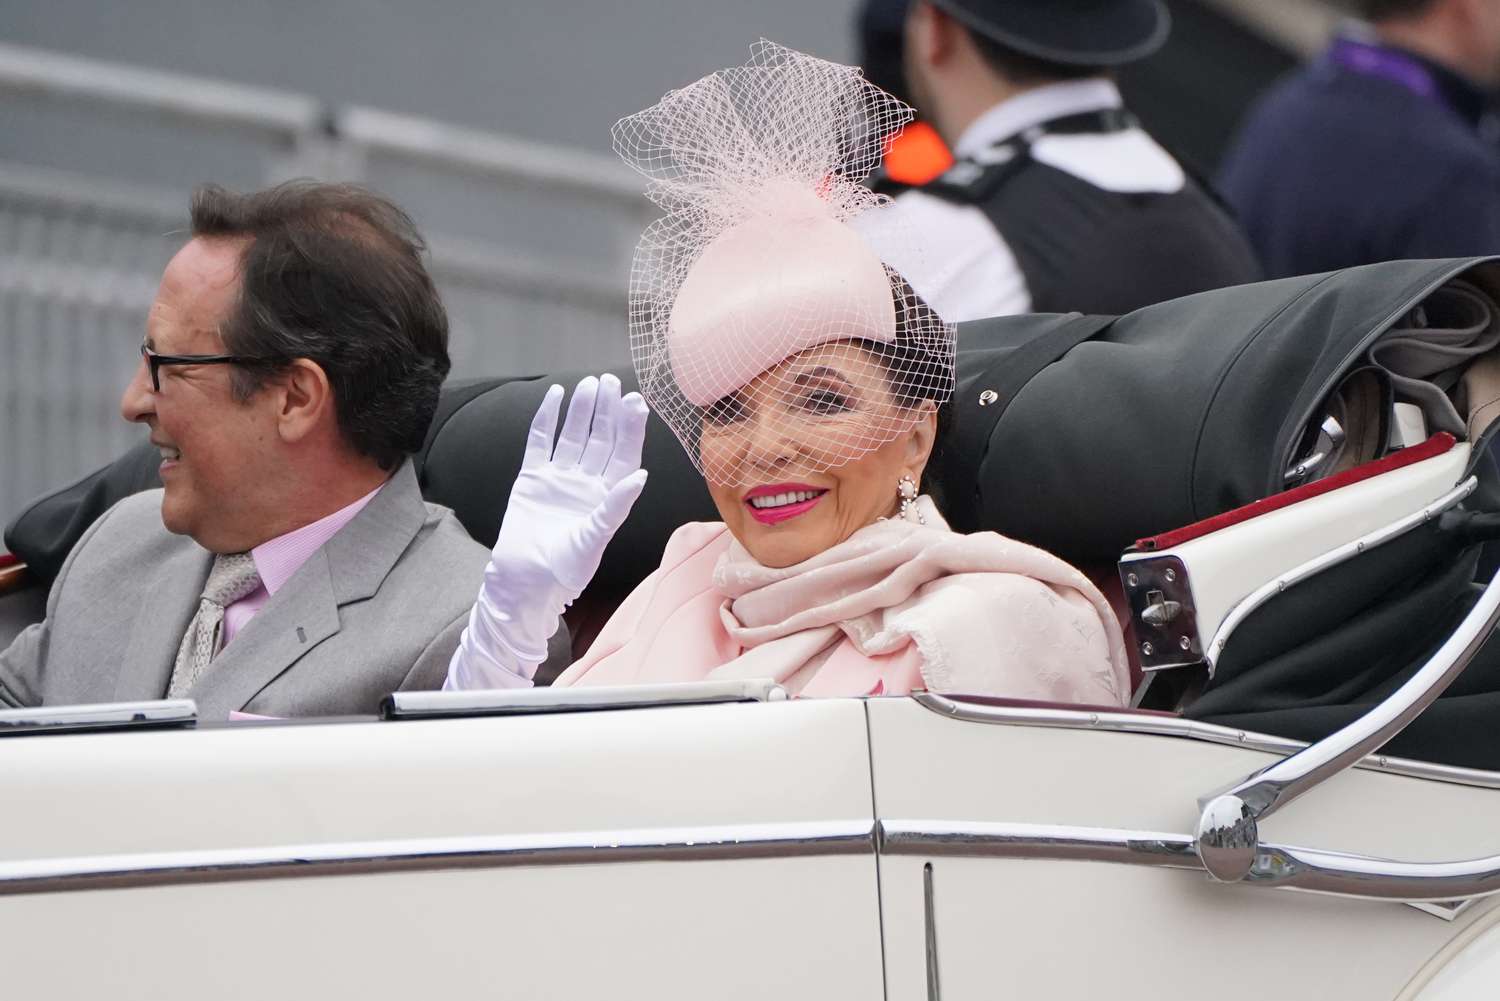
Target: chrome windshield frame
{"points": [[165, 713], [537, 701]]}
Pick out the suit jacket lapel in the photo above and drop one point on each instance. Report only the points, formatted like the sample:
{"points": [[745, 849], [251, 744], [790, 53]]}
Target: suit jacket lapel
{"points": [[170, 601], [350, 567], [297, 618]]}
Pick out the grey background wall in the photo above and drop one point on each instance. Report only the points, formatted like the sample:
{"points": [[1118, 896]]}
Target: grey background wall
{"points": [[93, 199], [554, 70]]}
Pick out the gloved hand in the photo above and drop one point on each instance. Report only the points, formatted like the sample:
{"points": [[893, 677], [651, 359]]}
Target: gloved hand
{"points": [[565, 506]]}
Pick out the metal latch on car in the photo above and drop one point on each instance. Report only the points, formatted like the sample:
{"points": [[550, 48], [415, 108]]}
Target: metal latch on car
{"points": [[1161, 605]]}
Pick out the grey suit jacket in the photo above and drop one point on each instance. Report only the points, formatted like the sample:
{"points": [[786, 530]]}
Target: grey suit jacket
{"points": [[379, 608]]}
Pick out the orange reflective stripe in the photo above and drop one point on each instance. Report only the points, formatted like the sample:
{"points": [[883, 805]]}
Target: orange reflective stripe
{"points": [[917, 155]]}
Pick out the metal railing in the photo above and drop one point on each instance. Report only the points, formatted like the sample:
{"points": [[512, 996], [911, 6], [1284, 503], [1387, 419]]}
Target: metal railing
{"points": [[530, 242]]}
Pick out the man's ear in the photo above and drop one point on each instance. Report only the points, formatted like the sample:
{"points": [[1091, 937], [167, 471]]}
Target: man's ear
{"points": [[928, 33], [943, 36], [305, 400], [922, 439]]}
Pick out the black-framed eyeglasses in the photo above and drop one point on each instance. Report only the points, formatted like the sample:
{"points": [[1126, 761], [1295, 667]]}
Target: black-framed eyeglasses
{"points": [[154, 362]]}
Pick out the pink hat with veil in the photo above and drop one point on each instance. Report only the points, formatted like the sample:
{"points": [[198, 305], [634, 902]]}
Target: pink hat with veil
{"points": [[759, 170]]}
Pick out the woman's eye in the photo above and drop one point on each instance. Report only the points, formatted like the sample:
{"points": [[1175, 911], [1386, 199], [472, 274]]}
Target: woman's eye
{"points": [[826, 401], [726, 411]]}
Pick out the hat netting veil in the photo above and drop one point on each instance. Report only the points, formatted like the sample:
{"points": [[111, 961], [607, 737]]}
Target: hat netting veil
{"points": [[760, 314]]}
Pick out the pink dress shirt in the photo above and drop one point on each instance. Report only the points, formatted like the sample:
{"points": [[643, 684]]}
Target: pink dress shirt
{"points": [[277, 560]]}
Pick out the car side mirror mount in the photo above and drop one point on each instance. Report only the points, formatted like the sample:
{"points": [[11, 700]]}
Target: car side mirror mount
{"points": [[1228, 837]]}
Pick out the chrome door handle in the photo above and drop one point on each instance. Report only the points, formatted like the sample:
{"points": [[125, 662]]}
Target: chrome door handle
{"points": [[1330, 440]]}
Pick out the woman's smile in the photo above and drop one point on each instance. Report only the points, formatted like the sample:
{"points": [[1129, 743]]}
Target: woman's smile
{"points": [[812, 450], [778, 502]]}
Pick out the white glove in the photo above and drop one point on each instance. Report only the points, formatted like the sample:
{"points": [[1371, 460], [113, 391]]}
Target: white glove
{"points": [[565, 506]]}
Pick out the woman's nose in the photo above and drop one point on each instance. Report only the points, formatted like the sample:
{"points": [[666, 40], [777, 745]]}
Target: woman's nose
{"points": [[770, 444]]}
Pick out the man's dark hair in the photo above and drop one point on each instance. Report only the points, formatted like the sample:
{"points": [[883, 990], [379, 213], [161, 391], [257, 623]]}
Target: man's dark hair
{"points": [[1381, 10], [333, 273], [1019, 68]]}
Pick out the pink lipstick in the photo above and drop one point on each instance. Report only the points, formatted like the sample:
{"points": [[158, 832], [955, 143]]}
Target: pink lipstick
{"points": [[773, 504]]}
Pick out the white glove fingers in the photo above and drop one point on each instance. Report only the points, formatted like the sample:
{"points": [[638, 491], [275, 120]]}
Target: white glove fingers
{"points": [[611, 513], [575, 430], [543, 429], [595, 532], [601, 442], [630, 435]]}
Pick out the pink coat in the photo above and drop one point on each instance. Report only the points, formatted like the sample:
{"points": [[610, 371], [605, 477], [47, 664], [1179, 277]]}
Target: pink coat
{"points": [[895, 608]]}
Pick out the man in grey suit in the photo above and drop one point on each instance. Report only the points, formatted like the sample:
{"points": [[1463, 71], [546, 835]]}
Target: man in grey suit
{"points": [[289, 565]]}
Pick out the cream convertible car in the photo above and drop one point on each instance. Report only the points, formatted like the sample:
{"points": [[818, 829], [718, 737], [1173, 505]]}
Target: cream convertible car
{"points": [[1300, 466]]}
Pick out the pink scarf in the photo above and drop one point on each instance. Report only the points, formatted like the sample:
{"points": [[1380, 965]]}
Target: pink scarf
{"points": [[895, 607]]}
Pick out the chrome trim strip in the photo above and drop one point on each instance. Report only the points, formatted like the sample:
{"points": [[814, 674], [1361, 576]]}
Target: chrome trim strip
{"points": [[683, 844], [1344, 875], [530, 701], [100, 716], [1177, 727], [970, 839], [1255, 599], [1435, 888], [929, 915]]}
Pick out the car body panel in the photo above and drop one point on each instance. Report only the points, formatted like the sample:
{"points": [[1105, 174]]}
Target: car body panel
{"points": [[1466, 970], [801, 927], [1039, 926], [730, 850], [259, 784], [731, 926]]}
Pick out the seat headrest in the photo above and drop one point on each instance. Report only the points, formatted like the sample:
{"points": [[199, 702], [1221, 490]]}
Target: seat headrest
{"points": [[474, 454]]}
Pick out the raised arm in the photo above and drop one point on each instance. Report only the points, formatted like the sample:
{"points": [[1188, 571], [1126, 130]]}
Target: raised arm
{"points": [[568, 501]]}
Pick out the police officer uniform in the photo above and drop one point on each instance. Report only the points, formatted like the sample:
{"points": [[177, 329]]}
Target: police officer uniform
{"points": [[1058, 201]]}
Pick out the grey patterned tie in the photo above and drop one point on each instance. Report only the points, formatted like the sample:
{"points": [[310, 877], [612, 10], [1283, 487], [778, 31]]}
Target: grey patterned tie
{"points": [[232, 578]]}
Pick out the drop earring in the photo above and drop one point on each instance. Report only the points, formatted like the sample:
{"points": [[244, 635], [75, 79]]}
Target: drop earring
{"points": [[906, 489]]}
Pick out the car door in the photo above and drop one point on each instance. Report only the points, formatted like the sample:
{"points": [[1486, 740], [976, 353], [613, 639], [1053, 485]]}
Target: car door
{"points": [[1032, 852], [683, 851]]}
